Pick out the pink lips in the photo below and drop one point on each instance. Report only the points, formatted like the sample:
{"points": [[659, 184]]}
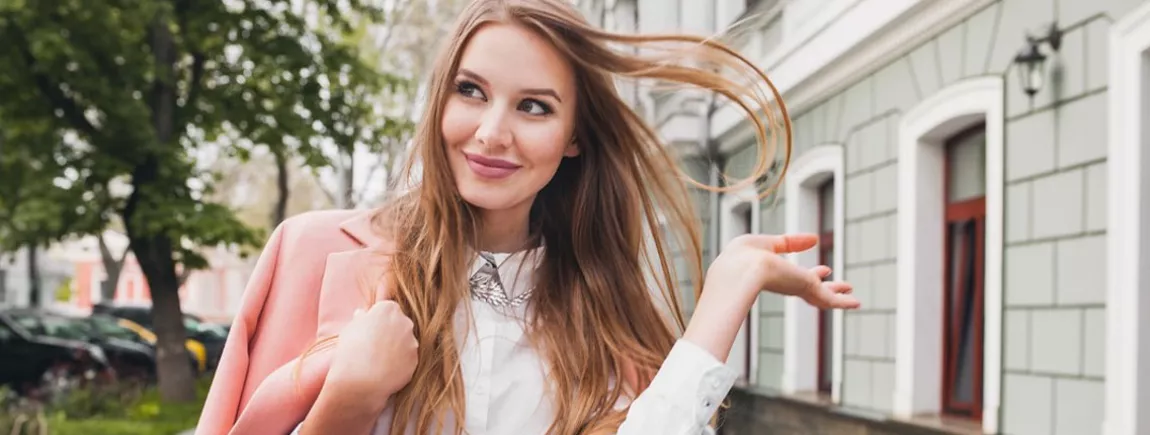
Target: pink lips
{"points": [[488, 167]]}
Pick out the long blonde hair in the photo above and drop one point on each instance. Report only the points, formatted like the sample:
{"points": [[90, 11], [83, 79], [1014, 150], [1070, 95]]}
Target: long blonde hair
{"points": [[593, 316]]}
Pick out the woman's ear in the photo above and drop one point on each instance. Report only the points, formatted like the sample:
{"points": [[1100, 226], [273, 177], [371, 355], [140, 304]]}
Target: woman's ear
{"points": [[572, 149]]}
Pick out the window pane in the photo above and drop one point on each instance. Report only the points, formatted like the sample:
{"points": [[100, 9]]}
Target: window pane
{"points": [[827, 257], [966, 160], [961, 324], [826, 319], [827, 206]]}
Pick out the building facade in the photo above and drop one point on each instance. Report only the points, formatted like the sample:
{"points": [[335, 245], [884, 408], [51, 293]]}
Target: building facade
{"points": [[976, 170], [76, 265]]}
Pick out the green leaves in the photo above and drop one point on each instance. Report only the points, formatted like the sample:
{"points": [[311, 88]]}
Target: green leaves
{"points": [[83, 85]]}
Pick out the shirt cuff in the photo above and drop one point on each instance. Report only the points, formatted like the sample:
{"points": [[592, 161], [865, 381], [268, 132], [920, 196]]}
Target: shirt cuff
{"points": [[693, 380]]}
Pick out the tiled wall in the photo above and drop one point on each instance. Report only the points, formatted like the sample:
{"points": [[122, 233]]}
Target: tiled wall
{"points": [[1055, 210]]}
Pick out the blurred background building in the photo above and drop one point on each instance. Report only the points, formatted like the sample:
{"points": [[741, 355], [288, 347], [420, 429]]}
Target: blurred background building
{"points": [[975, 169]]}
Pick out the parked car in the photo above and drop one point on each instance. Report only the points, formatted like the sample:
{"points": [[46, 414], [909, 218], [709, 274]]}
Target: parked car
{"points": [[211, 337], [196, 353], [129, 357], [35, 363]]}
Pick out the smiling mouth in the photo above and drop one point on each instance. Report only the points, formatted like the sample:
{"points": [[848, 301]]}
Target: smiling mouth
{"points": [[487, 167]]}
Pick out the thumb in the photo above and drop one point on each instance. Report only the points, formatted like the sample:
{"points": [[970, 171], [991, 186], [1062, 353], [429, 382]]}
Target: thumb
{"points": [[783, 244]]}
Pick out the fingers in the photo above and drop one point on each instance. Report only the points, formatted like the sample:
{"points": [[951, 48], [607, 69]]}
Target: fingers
{"points": [[839, 287], [835, 295], [843, 301], [822, 271], [782, 244]]}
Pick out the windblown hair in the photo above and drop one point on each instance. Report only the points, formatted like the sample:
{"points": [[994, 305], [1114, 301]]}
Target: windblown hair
{"points": [[593, 317]]}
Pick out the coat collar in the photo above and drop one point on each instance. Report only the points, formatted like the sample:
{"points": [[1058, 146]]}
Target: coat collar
{"points": [[359, 227]]}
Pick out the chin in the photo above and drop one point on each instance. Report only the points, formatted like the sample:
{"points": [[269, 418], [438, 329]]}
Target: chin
{"points": [[490, 199]]}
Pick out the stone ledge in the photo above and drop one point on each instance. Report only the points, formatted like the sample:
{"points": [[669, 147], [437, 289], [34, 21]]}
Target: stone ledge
{"points": [[758, 412]]}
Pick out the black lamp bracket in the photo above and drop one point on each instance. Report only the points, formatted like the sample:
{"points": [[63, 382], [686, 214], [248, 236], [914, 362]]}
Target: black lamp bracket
{"points": [[1053, 37]]}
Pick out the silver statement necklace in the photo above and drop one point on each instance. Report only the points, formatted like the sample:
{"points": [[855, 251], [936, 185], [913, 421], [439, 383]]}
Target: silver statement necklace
{"points": [[486, 285]]}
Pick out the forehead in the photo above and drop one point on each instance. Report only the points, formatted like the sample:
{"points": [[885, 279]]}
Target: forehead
{"points": [[513, 56]]}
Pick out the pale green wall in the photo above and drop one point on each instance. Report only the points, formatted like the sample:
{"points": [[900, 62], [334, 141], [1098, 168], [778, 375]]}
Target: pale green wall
{"points": [[1054, 338]]}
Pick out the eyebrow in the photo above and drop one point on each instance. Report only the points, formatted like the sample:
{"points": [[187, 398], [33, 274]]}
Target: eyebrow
{"points": [[530, 91]]}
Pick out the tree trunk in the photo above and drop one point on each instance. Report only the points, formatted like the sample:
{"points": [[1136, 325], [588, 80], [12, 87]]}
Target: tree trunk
{"points": [[112, 268], [36, 290], [154, 253], [279, 213], [154, 249]]}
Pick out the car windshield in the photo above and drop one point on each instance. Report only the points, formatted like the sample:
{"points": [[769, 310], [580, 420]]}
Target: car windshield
{"points": [[53, 326], [110, 327]]}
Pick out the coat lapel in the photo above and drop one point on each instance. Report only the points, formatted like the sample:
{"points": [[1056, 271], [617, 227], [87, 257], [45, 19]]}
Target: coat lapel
{"points": [[351, 279]]}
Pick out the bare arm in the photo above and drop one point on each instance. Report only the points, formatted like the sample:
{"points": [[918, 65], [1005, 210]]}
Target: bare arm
{"points": [[339, 411], [693, 380], [748, 266]]}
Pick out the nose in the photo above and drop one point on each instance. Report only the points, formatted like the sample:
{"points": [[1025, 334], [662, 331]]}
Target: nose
{"points": [[494, 130]]}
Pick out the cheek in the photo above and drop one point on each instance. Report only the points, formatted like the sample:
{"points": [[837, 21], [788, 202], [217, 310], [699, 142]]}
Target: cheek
{"points": [[458, 123], [544, 144]]}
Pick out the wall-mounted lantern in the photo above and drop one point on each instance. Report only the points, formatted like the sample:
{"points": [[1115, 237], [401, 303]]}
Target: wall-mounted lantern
{"points": [[1031, 61]]}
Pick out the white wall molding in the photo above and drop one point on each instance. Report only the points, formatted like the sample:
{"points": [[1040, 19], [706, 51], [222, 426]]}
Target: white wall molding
{"points": [[862, 38], [920, 244], [801, 327], [1127, 365], [732, 205]]}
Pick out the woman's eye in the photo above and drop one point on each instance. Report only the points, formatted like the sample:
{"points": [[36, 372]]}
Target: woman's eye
{"points": [[470, 90], [535, 107]]}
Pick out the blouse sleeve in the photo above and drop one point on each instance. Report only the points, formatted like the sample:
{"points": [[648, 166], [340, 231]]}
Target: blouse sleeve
{"points": [[683, 396]]}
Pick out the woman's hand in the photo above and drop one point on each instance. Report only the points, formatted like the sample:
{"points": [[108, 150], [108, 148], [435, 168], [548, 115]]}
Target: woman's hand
{"points": [[747, 266], [752, 263], [374, 358], [376, 353]]}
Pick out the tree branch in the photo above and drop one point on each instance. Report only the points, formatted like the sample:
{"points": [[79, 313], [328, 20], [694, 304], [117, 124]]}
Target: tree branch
{"points": [[384, 157], [194, 87], [328, 193], [183, 278], [49, 90], [195, 84]]}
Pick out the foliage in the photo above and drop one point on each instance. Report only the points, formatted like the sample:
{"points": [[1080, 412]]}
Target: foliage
{"points": [[109, 104], [125, 408]]}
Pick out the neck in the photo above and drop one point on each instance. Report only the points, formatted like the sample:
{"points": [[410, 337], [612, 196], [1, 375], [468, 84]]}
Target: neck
{"points": [[504, 230]]}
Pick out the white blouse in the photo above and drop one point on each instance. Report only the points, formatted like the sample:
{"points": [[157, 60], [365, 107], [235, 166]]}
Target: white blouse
{"points": [[504, 378]]}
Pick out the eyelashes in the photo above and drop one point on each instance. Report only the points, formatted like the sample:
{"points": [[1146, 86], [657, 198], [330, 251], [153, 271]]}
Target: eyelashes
{"points": [[531, 106]]}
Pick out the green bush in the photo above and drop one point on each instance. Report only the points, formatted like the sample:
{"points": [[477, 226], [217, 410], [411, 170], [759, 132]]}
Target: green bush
{"points": [[119, 409]]}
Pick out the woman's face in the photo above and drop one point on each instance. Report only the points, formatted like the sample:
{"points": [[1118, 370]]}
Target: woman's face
{"points": [[509, 120]]}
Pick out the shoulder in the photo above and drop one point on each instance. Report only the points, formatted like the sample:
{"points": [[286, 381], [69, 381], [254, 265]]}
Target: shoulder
{"points": [[322, 232]]}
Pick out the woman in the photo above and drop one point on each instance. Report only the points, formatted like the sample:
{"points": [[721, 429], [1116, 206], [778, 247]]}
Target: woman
{"points": [[511, 285]]}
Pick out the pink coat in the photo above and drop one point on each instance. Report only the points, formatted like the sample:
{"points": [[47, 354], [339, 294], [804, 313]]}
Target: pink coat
{"points": [[305, 286]]}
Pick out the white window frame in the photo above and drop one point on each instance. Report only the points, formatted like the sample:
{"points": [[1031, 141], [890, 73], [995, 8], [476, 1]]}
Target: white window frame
{"points": [[921, 160], [801, 321], [1127, 381], [732, 204]]}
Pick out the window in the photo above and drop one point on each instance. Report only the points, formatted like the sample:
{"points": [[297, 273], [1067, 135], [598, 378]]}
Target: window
{"points": [[964, 244], [745, 222], [826, 256]]}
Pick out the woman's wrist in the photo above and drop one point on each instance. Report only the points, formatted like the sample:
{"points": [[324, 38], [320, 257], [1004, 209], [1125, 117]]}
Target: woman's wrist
{"points": [[341, 408], [718, 315]]}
